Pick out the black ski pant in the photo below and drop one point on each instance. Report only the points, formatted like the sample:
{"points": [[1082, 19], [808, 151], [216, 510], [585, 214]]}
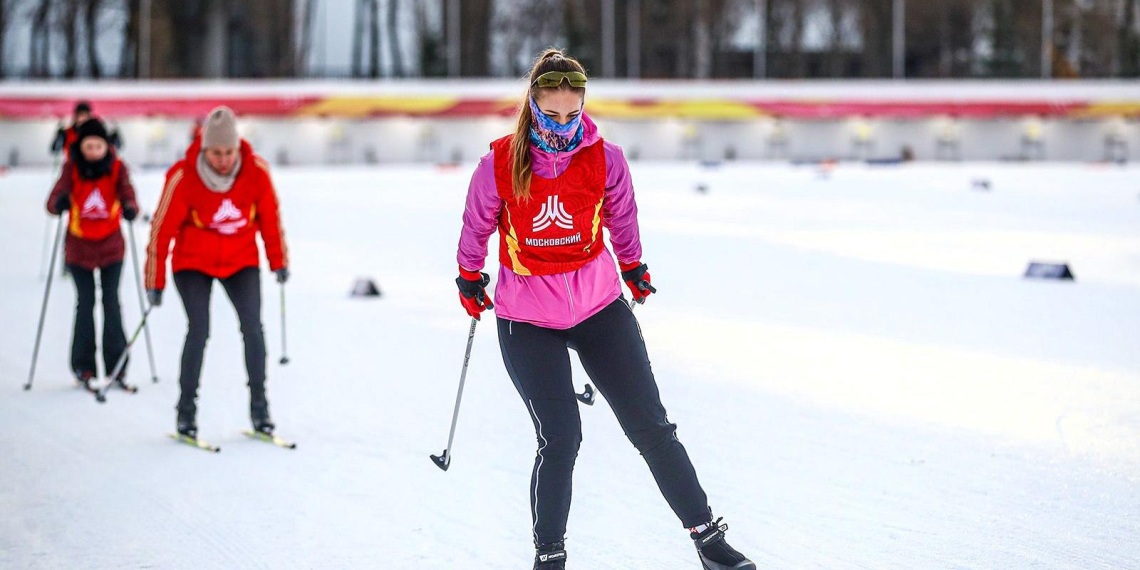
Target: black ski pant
{"points": [[612, 351], [83, 337], [244, 290]]}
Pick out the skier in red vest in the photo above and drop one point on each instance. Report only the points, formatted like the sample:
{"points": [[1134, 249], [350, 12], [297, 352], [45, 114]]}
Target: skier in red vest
{"points": [[549, 189], [214, 203], [67, 136], [95, 189]]}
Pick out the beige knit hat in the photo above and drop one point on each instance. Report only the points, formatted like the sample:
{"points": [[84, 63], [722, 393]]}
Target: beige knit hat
{"points": [[220, 129]]}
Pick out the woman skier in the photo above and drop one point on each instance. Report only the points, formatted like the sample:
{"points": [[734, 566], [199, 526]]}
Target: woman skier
{"points": [[549, 189], [214, 202], [95, 189]]}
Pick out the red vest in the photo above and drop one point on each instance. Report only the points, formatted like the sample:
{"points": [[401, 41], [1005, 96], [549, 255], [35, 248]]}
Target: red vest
{"points": [[95, 207], [70, 136], [559, 229]]}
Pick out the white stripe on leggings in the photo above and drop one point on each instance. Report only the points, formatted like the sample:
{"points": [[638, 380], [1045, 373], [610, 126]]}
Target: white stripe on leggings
{"points": [[538, 470]]}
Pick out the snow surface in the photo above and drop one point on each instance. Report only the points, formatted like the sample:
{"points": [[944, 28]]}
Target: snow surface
{"points": [[858, 369]]}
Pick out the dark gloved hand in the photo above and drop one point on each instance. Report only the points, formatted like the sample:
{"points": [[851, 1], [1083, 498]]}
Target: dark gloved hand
{"points": [[473, 292], [636, 277], [130, 212], [63, 203], [154, 297], [282, 274]]}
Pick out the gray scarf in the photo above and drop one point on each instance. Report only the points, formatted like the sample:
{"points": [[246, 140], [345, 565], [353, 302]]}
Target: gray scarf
{"points": [[214, 181]]}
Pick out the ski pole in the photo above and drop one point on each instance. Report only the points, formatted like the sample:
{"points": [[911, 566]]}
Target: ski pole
{"points": [[444, 461], [101, 393], [142, 301], [43, 308], [284, 355], [47, 222], [47, 239]]}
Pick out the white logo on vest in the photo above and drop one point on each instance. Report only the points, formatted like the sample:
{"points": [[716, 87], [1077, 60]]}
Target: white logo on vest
{"points": [[228, 219], [553, 213], [95, 208]]}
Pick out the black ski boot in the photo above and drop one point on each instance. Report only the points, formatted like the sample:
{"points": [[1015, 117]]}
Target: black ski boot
{"points": [[259, 416], [714, 551], [550, 556], [187, 426]]}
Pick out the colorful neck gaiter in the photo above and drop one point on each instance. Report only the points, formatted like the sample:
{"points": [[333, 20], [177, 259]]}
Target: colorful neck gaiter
{"points": [[548, 135]]}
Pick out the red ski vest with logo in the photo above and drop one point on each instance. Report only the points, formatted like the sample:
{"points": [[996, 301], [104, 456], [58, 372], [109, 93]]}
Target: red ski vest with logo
{"points": [[95, 208], [559, 229]]}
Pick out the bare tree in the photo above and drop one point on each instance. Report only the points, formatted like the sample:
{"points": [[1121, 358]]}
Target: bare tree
{"points": [[476, 37], [394, 38], [374, 38], [301, 66], [1128, 44], [69, 27], [6, 7], [429, 37], [358, 39], [92, 25], [40, 39], [128, 55]]}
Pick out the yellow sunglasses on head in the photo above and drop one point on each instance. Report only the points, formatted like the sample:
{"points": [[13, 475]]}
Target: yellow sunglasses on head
{"points": [[555, 78]]}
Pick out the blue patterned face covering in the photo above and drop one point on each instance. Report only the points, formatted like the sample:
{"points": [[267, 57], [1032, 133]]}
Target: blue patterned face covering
{"points": [[548, 135]]}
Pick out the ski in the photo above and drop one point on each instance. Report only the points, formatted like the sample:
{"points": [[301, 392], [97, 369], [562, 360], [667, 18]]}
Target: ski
{"points": [[128, 388], [267, 438], [194, 442]]}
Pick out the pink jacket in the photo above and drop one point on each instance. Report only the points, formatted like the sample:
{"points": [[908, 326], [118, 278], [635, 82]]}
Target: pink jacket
{"points": [[562, 300]]}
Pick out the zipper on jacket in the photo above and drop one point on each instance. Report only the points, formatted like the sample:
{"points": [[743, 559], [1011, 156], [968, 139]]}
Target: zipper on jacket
{"points": [[570, 296]]}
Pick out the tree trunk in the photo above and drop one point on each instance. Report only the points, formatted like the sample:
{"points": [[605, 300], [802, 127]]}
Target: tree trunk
{"points": [[70, 28], [835, 57], [394, 38], [4, 17], [92, 23], [301, 66], [433, 60], [1125, 48], [475, 40], [799, 63], [374, 38], [358, 39], [40, 41], [128, 56]]}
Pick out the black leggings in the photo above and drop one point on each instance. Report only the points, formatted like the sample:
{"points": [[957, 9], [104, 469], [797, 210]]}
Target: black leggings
{"points": [[612, 351], [244, 290], [83, 337]]}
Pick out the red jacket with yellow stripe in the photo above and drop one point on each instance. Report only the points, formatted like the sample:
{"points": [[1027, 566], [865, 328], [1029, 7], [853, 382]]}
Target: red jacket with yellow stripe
{"points": [[214, 232]]}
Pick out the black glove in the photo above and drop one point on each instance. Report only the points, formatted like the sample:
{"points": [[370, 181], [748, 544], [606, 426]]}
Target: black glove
{"points": [[282, 274], [130, 212], [154, 296], [63, 203], [60, 139]]}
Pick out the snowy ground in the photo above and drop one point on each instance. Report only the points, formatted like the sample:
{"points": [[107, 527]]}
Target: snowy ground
{"points": [[859, 372]]}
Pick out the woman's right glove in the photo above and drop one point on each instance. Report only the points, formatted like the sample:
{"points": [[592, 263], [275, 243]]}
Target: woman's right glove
{"points": [[636, 277], [473, 292]]}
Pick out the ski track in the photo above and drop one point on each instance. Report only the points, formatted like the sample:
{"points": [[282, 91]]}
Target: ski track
{"points": [[886, 392]]}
